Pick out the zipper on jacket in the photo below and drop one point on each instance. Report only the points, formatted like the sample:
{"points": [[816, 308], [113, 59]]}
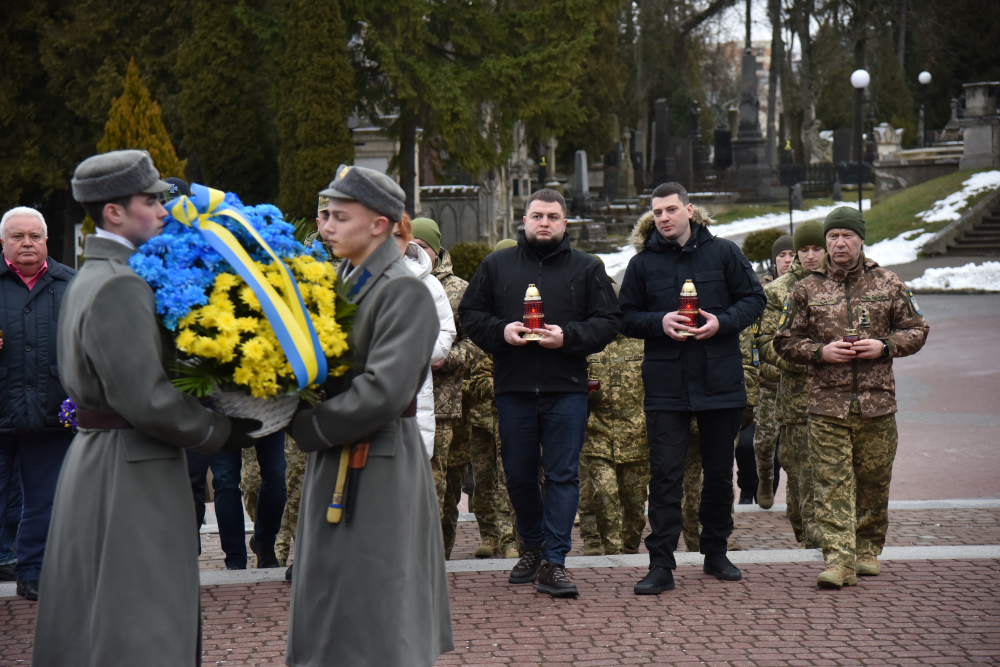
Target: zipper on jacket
{"points": [[854, 362]]}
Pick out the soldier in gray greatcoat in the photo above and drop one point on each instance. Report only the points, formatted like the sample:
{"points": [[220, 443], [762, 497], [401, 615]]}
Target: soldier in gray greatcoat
{"points": [[119, 582], [371, 592]]}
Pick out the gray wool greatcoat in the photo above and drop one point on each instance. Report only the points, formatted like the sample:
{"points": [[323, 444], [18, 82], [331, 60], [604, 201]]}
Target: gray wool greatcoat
{"points": [[373, 593], [119, 583]]}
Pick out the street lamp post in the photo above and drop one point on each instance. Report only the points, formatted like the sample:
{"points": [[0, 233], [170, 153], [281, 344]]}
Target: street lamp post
{"points": [[924, 78], [860, 80]]}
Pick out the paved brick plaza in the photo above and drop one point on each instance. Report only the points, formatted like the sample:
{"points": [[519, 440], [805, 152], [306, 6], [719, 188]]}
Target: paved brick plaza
{"points": [[916, 612]]}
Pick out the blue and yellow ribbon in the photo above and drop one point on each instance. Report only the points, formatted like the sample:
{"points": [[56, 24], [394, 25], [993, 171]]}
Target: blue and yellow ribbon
{"points": [[287, 315]]}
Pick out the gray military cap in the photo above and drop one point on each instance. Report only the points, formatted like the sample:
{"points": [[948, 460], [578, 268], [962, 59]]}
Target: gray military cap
{"points": [[369, 187], [116, 174]]}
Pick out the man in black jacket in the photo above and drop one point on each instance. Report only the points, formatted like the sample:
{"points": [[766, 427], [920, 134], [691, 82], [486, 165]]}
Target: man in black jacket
{"points": [[688, 371], [541, 387], [31, 291]]}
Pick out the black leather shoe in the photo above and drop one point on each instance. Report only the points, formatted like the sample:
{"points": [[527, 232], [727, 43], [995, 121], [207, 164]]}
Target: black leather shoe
{"points": [[28, 589], [265, 557], [552, 579], [720, 567], [288, 573], [527, 567], [7, 572], [657, 580]]}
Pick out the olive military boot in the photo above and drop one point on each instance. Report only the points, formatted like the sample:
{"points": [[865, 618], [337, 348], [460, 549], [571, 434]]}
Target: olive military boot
{"points": [[836, 576], [867, 566]]}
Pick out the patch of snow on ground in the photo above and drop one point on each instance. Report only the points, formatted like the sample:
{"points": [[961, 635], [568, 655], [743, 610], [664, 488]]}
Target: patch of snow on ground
{"points": [[617, 261], [900, 250], [755, 224], [986, 276], [948, 209]]}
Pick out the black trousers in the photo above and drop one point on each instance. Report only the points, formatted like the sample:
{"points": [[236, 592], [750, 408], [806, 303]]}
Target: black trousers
{"points": [[668, 432]]}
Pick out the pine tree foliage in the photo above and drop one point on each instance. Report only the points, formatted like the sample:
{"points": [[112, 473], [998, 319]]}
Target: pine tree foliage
{"points": [[225, 104], [316, 97], [135, 122]]}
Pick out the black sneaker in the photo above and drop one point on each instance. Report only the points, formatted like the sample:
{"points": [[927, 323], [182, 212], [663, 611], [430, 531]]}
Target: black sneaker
{"points": [[657, 580], [552, 579], [527, 567], [288, 573], [720, 567]]}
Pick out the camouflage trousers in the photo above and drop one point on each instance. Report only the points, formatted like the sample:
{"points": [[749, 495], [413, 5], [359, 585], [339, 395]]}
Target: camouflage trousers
{"points": [[456, 470], [691, 500], [799, 486], [443, 435], [295, 473], [852, 468], [613, 504], [489, 500], [765, 437]]}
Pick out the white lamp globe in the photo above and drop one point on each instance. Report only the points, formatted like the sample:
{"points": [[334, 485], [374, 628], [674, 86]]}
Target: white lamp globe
{"points": [[860, 79], [924, 77]]}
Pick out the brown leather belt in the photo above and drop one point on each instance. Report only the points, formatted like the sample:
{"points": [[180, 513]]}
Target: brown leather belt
{"points": [[411, 409], [101, 420]]}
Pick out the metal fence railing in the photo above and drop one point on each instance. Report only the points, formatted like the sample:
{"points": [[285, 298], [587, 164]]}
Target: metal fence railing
{"points": [[817, 179]]}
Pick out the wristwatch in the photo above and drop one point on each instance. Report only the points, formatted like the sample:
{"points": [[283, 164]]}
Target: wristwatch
{"points": [[885, 349]]}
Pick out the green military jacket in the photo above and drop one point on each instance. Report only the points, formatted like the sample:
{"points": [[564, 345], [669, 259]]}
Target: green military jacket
{"points": [[616, 429], [463, 353], [769, 374], [793, 386], [821, 306]]}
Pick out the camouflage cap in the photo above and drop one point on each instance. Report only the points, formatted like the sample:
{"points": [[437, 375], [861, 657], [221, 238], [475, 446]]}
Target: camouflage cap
{"points": [[369, 187], [324, 201], [116, 174]]}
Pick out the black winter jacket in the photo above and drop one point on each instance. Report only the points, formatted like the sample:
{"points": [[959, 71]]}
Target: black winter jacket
{"points": [[694, 374], [576, 295], [30, 392]]}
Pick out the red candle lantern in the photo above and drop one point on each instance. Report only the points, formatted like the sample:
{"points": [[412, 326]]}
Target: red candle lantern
{"points": [[534, 315], [851, 336], [689, 306]]}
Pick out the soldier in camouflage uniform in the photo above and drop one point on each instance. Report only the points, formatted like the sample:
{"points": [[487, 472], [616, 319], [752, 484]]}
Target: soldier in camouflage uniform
{"points": [[614, 463], [489, 500], [766, 434], [852, 401], [793, 387], [693, 475], [450, 461]]}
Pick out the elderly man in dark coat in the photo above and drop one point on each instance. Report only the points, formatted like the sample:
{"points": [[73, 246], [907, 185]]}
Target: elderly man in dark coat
{"points": [[373, 591], [120, 579], [31, 290]]}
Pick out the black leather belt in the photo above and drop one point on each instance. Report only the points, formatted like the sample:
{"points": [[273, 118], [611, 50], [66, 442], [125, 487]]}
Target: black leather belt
{"points": [[101, 420]]}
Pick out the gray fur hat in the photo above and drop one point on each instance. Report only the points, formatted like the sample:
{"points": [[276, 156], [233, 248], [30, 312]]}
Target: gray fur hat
{"points": [[116, 174], [369, 187]]}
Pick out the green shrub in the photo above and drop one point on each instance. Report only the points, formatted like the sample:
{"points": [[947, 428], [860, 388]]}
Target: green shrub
{"points": [[757, 245], [466, 258]]}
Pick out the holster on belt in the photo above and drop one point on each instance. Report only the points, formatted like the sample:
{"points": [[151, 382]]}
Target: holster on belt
{"points": [[356, 456]]}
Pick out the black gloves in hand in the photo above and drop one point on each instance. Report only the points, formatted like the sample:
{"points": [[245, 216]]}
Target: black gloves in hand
{"points": [[238, 438], [747, 418]]}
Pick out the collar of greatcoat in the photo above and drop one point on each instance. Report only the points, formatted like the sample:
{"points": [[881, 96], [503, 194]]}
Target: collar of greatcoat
{"points": [[97, 247], [357, 282]]}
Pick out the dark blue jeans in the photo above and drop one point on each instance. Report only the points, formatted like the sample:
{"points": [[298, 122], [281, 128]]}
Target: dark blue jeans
{"points": [[11, 519], [41, 456], [226, 469], [550, 427]]}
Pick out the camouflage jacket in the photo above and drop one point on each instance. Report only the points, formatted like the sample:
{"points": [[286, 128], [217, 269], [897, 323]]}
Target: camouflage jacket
{"points": [[793, 386], [448, 378], [480, 387], [769, 374], [868, 298], [616, 428]]}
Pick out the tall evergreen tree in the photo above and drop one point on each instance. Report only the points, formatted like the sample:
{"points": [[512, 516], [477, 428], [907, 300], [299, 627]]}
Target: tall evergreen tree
{"points": [[317, 96], [135, 123], [225, 100]]}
